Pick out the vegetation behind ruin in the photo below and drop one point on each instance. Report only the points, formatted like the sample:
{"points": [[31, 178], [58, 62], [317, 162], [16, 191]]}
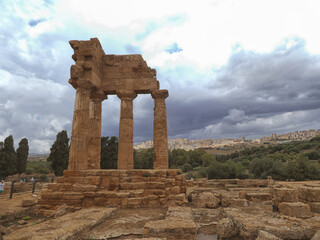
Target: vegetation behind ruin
{"points": [[294, 160]]}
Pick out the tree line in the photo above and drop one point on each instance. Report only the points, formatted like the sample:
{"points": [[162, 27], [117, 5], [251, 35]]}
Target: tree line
{"points": [[12, 161], [294, 160]]}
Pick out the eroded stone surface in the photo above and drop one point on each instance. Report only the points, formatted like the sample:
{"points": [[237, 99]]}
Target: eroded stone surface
{"points": [[295, 209], [116, 188], [178, 224], [262, 235], [64, 227]]}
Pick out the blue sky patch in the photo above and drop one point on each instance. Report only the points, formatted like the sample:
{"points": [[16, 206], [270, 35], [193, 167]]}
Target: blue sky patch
{"points": [[174, 48], [35, 22]]}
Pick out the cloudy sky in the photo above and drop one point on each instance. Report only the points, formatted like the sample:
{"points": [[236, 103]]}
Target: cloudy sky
{"points": [[232, 67]]}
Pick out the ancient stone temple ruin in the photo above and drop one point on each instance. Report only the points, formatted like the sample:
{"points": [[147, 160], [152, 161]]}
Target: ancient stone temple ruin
{"points": [[96, 75]]}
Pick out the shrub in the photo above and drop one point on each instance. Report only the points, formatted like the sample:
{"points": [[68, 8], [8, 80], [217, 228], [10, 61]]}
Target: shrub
{"points": [[44, 178], [186, 167]]}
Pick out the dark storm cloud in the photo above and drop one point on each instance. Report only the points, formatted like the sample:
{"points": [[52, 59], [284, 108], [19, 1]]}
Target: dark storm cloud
{"points": [[254, 94], [34, 96], [286, 79]]}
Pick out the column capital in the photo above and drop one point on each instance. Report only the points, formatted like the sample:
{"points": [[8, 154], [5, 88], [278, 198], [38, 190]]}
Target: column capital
{"points": [[126, 94], [163, 93], [98, 95]]}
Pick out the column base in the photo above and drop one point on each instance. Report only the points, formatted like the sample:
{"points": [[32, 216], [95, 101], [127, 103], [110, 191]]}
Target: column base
{"points": [[116, 188]]}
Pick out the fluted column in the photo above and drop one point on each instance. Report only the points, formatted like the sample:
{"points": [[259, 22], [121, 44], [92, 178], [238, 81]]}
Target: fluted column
{"points": [[125, 147], [160, 135], [78, 156], [94, 148]]}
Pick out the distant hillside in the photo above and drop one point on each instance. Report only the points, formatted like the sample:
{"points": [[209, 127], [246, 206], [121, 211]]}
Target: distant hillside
{"points": [[40, 157], [233, 144], [298, 160]]}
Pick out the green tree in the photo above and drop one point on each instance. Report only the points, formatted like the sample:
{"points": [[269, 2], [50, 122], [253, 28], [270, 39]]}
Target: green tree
{"points": [[195, 157], [207, 159], [22, 155], [186, 167], [3, 165], [313, 155], [59, 153], [178, 157], [143, 159], [109, 152], [10, 155]]}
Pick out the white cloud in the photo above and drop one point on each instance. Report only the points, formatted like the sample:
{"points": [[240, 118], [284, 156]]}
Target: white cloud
{"points": [[36, 100]]}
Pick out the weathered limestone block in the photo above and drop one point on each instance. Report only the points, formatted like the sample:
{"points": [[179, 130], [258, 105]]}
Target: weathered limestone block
{"points": [[59, 180], [73, 173], [177, 225], [224, 200], [28, 202], [243, 194], [252, 183], [174, 172], [285, 194], [258, 197], [176, 190], [138, 179], [56, 187], [207, 199], [227, 228], [66, 187], [134, 201], [240, 203], [147, 239], [64, 227], [136, 193], [202, 183], [311, 194], [314, 206], [155, 185], [190, 183], [295, 209], [84, 188], [316, 236], [263, 235], [125, 147]]}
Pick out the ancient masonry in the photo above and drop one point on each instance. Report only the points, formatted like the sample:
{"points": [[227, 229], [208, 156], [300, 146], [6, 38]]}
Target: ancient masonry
{"points": [[96, 75]]}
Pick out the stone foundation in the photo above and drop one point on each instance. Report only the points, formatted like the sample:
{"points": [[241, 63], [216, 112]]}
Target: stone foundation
{"points": [[116, 188]]}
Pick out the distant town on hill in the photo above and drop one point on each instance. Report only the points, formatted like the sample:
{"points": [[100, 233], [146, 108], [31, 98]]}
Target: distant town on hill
{"points": [[186, 144]]}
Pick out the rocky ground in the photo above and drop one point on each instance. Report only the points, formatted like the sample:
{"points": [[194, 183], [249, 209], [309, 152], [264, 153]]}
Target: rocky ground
{"points": [[230, 208]]}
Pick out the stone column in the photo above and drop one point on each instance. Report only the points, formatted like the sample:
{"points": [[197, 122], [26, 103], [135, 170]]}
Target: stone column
{"points": [[94, 148], [160, 136], [125, 147], [78, 156]]}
